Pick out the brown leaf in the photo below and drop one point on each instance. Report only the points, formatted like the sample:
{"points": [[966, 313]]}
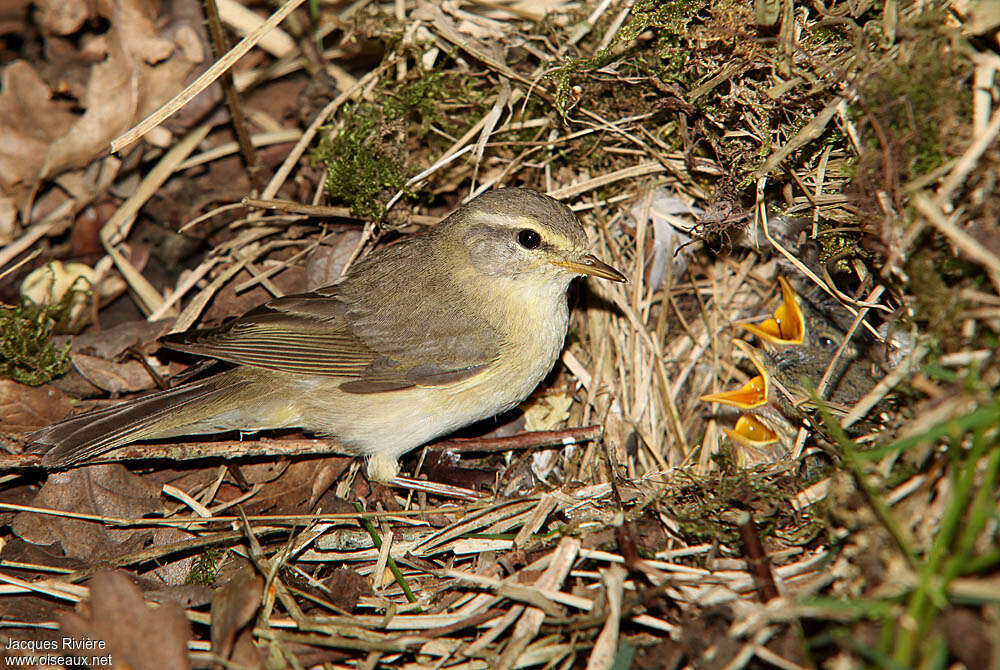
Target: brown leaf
{"points": [[326, 262], [114, 341], [325, 475], [124, 377], [108, 490], [8, 219], [24, 409], [32, 607], [265, 471], [14, 16], [246, 654], [228, 302], [233, 606], [29, 121], [143, 70], [291, 492], [136, 635], [98, 357], [346, 587], [112, 101], [135, 19], [172, 569], [62, 17]]}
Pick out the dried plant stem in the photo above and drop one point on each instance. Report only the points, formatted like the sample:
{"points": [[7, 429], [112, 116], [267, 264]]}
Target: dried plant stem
{"points": [[233, 98], [205, 80]]}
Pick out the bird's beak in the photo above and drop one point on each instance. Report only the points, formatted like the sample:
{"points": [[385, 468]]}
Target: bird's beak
{"points": [[752, 394], [788, 325], [591, 265], [751, 432]]}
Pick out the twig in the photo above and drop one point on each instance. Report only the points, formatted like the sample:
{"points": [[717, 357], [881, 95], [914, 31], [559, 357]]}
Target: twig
{"points": [[116, 229], [969, 245], [539, 438], [205, 80], [233, 98], [323, 211]]}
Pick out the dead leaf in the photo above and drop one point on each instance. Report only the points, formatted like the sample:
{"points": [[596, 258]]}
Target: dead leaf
{"points": [[262, 472], [246, 654], [291, 492], [62, 17], [8, 220], [30, 606], [326, 262], [228, 302], [143, 70], [233, 606], [125, 377], [136, 635], [24, 409], [325, 475], [135, 19], [112, 101], [172, 570], [547, 412], [113, 342], [30, 120], [107, 490], [346, 588], [185, 595], [98, 356], [14, 17]]}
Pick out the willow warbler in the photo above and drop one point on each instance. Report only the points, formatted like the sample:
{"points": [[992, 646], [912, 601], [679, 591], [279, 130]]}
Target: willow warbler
{"points": [[420, 338]]}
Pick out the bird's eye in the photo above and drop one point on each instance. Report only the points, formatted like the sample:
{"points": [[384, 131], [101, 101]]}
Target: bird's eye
{"points": [[528, 238]]}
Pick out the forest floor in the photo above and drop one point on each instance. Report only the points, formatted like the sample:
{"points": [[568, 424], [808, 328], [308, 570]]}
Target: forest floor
{"points": [[826, 173]]}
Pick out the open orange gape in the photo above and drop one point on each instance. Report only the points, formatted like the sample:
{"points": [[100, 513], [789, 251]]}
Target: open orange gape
{"points": [[760, 426], [787, 326], [749, 430]]}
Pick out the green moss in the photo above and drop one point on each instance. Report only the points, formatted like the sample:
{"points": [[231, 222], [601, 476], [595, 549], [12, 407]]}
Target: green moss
{"points": [[703, 509], [936, 306], [836, 242], [366, 158], [362, 163], [901, 107], [669, 18], [206, 569], [27, 354]]}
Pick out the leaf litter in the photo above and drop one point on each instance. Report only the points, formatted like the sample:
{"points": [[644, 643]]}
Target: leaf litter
{"points": [[709, 150]]}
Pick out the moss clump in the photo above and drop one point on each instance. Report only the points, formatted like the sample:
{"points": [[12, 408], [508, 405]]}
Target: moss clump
{"points": [[206, 569], [367, 157], [909, 127], [703, 509], [669, 18], [363, 163], [27, 354], [937, 305]]}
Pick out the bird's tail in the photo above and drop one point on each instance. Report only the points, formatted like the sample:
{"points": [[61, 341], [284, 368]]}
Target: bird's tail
{"points": [[168, 413]]}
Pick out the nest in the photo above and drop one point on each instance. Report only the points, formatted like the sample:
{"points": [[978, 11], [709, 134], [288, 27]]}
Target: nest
{"points": [[709, 149]]}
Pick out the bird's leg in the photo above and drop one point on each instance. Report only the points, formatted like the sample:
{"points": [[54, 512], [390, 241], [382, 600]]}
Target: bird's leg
{"points": [[382, 467]]}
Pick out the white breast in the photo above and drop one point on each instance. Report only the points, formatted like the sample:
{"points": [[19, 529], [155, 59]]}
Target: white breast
{"points": [[533, 329]]}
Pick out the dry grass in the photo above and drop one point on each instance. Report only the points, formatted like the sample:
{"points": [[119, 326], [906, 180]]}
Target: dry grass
{"points": [[652, 546]]}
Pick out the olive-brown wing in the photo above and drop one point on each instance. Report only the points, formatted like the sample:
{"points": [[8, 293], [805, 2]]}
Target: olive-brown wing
{"points": [[311, 334]]}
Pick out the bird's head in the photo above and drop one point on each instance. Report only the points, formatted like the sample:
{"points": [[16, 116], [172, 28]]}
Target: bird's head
{"points": [[523, 236]]}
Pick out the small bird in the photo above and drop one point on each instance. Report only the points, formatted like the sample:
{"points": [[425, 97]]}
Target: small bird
{"points": [[800, 342], [419, 339]]}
